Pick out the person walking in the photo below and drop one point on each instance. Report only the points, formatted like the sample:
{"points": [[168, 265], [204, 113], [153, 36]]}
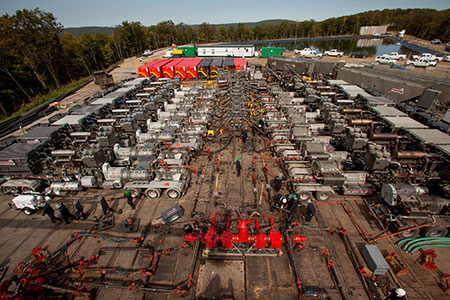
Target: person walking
{"points": [[80, 209], [277, 181], [310, 211], [129, 199], [50, 212], [238, 166], [244, 135], [65, 213], [104, 204]]}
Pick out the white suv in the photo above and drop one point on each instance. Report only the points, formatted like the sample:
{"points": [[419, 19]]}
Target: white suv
{"points": [[147, 53]]}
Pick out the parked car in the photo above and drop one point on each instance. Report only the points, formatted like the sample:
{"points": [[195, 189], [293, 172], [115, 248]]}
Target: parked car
{"points": [[447, 58], [333, 52], [447, 46], [421, 63], [428, 56], [307, 52], [168, 54], [397, 56], [385, 60], [361, 54], [147, 53], [436, 41]]}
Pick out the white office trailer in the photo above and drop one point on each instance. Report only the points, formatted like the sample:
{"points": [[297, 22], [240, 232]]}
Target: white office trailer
{"points": [[220, 51]]}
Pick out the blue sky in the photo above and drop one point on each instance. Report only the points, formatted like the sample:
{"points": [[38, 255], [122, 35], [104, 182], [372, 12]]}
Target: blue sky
{"points": [[76, 13]]}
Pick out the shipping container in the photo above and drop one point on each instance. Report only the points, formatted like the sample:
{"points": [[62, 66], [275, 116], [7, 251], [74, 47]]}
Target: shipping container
{"points": [[177, 52], [188, 51], [240, 64], [272, 52], [168, 70], [192, 68], [156, 69], [228, 64], [143, 70], [203, 68], [232, 51], [180, 68], [187, 68], [214, 66]]}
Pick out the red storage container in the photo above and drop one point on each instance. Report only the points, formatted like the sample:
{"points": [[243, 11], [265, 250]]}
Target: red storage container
{"points": [[156, 69], [168, 70], [180, 68], [143, 70], [240, 64], [191, 68]]}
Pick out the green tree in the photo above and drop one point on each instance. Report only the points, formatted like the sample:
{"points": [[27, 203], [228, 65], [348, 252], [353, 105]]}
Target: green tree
{"points": [[132, 37]]}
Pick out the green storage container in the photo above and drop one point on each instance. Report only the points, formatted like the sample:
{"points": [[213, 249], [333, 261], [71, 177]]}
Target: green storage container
{"points": [[272, 52], [188, 51]]}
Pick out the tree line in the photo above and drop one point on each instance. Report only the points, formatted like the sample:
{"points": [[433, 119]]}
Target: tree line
{"points": [[37, 55]]}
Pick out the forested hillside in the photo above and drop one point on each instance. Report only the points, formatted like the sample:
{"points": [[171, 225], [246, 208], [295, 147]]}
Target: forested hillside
{"points": [[37, 55]]}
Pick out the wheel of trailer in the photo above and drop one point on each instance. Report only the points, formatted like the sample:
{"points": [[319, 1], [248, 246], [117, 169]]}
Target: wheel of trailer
{"points": [[435, 231], [410, 234], [153, 193], [323, 196], [173, 194], [135, 193], [27, 211], [8, 190], [27, 189], [304, 196]]}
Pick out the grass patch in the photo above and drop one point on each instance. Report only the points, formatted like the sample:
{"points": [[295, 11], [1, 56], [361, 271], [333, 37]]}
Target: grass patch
{"points": [[40, 99]]}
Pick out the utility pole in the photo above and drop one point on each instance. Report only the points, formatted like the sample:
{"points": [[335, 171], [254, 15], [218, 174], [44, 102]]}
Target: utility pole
{"points": [[295, 41]]}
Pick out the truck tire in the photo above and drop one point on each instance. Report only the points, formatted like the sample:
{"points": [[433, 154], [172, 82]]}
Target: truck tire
{"points": [[323, 196], [135, 193], [27, 211], [153, 193], [173, 194], [435, 232], [8, 190], [27, 189], [410, 234], [304, 195]]}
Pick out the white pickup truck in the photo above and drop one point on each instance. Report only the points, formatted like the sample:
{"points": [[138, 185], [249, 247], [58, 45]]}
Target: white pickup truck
{"points": [[333, 52], [385, 60], [421, 63], [428, 56], [397, 56], [307, 52]]}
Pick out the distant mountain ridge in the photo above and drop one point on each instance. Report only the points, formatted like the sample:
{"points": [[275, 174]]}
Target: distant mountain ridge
{"points": [[77, 31], [251, 24]]}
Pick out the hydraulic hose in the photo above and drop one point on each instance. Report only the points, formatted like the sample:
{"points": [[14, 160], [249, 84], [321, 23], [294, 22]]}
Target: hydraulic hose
{"points": [[415, 243], [424, 246], [223, 148], [420, 240]]}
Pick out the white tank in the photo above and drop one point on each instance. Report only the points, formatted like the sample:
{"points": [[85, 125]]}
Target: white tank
{"points": [[66, 186]]}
